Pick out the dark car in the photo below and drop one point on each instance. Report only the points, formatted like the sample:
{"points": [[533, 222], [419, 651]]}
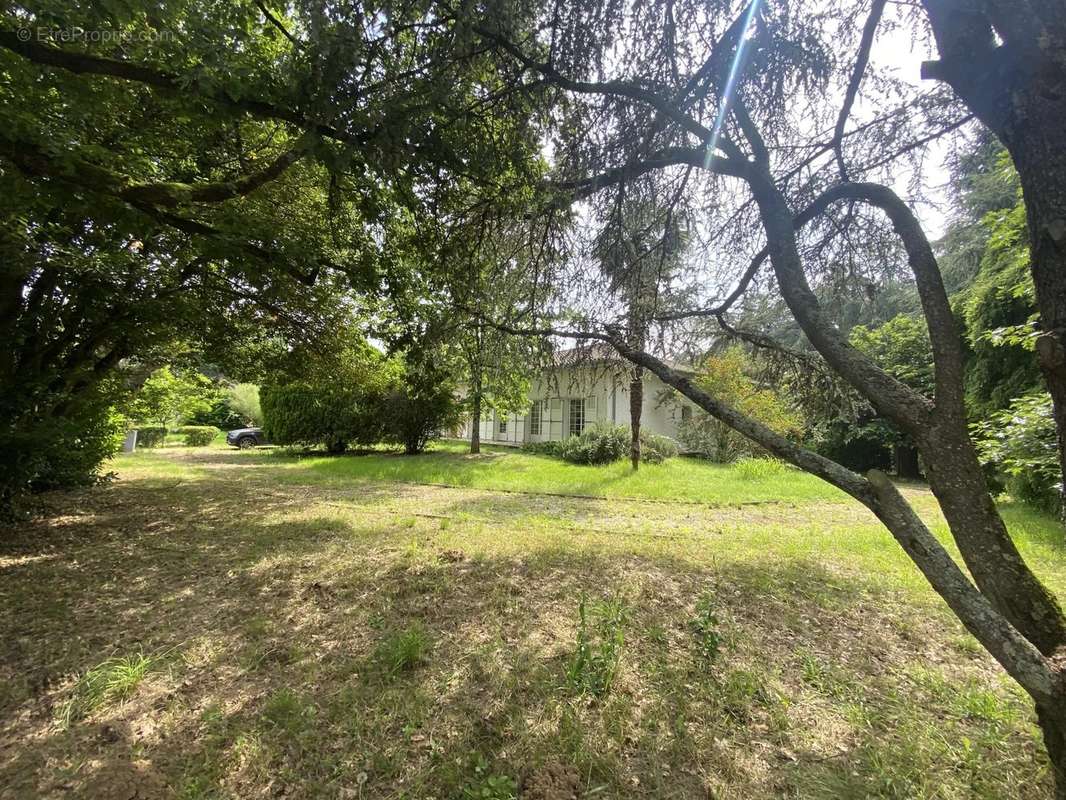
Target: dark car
{"points": [[246, 438]]}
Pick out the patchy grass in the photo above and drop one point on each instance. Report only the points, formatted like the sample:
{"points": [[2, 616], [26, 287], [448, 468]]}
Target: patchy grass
{"points": [[338, 628]]}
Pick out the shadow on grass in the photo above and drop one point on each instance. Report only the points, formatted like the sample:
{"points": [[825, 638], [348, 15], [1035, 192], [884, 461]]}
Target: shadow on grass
{"points": [[269, 615]]}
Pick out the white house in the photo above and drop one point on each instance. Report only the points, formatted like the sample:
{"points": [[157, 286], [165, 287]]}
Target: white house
{"points": [[583, 388]]}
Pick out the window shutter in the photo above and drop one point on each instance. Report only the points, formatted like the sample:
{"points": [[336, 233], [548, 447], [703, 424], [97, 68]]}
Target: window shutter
{"points": [[590, 411]]}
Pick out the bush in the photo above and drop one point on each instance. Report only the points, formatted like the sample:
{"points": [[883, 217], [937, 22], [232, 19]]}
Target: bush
{"points": [[199, 435], [727, 377], [655, 449], [597, 444], [38, 454], [151, 436], [544, 448], [604, 443], [415, 415], [333, 416], [243, 400], [1020, 444]]}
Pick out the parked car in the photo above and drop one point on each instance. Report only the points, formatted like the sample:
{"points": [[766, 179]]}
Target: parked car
{"points": [[246, 438]]}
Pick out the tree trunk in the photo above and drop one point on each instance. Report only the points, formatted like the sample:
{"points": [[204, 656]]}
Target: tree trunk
{"points": [[1053, 727], [1015, 88], [636, 403], [475, 422], [1041, 165]]}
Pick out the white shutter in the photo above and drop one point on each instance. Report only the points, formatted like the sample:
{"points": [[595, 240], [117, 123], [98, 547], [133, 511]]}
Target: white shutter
{"points": [[590, 412], [555, 416]]}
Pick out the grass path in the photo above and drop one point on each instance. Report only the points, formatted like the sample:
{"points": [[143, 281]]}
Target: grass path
{"points": [[223, 624]]}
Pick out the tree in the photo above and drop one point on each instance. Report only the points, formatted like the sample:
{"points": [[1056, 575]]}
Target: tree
{"points": [[1007, 62], [168, 399], [241, 174], [739, 114], [243, 398], [726, 374]]}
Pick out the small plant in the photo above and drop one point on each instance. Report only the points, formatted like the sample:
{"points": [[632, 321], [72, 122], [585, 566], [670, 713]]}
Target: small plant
{"points": [[600, 640], [758, 469], [704, 627], [404, 650], [486, 785], [199, 435], [112, 680]]}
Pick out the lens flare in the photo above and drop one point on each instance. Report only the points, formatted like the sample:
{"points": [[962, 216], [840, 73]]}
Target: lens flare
{"points": [[731, 82]]}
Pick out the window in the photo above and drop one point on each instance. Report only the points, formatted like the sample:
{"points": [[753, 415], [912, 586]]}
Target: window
{"points": [[535, 415], [577, 415], [686, 413], [503, 425]]}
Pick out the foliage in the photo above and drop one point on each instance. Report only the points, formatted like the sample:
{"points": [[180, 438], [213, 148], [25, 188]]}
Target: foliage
{"points": [[151, 436], [243, 400], [859, 445], [60, 451], [1020, 443], [600, 639], [726, 376], [220, 416], [900, 347], [421, 407], [488, 785], [998, 312], [199, 435], [655, 449], [339, 402], [604, 443], [600, 443], [168, 398], [706, 634]]}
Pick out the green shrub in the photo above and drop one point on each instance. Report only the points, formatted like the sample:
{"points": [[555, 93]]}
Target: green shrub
{"points": [[414, 415], [705, 632], [39, 452], [151, 436], [334, 416], [601, 443], [604, 443], [757, 469], [554, 449], [600, 639], [655, 449], [199, 435], [1020, 444]]}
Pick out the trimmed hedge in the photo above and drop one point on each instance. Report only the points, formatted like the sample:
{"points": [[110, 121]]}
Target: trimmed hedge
{"points": [[151, 436], [199, 435], [302, 414]]}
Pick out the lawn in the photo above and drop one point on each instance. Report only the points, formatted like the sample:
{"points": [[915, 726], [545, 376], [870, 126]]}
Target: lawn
{"points": [[232, 624]]}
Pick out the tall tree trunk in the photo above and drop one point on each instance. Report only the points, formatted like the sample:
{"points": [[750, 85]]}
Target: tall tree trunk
{"points": [[475, 418], [636, 404]]}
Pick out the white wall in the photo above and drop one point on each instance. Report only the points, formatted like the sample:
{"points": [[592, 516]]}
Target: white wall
{"points": [[605, 389]]}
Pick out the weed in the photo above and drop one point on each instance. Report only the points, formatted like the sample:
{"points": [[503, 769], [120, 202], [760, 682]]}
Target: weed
{"points": [[704, 627], [112, 680], [487, 785], [600, 639], [404, 650]]}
